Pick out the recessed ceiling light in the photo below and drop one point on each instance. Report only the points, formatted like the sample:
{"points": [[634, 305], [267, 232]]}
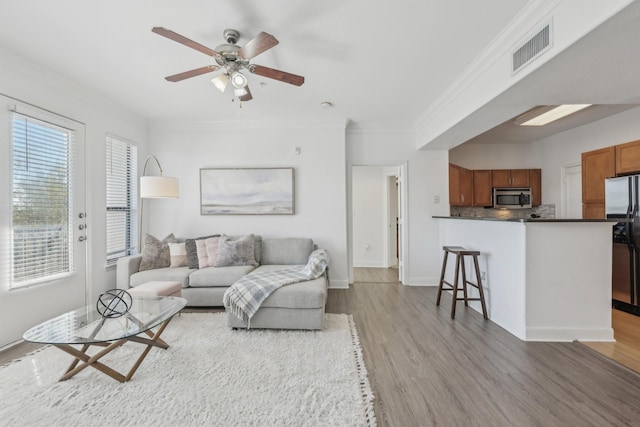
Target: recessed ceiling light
{"points": [[326, 104], [547, 115]]}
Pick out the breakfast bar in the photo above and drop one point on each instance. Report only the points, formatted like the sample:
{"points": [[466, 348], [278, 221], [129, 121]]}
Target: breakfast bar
{"points": [[544, 279]]}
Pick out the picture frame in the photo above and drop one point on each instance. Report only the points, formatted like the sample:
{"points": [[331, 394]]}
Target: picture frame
{"points": [[247, 191]]}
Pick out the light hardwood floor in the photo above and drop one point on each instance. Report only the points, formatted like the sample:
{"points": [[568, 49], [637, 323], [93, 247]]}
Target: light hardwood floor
{"points": [[626, 349], [428, 370]]}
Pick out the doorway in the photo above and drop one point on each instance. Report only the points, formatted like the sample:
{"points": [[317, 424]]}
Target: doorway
{"points": [[376, 226], [43, 256]]}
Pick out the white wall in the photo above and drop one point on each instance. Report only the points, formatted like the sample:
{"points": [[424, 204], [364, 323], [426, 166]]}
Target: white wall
{"points": [[552, 154], [29, 82], [320, 181], [368, 199], [565, 149], [496, 156], [427, 176]]}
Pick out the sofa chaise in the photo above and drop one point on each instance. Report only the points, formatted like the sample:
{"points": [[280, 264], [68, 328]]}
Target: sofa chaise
{"points": [[297, 306]]}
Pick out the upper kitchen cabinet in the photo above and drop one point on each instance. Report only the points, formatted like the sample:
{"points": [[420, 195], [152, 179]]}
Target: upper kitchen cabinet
{"points": [[460, 186], [597, 165], [482, 188], [628, 158], [535, 182], [510, 178]]}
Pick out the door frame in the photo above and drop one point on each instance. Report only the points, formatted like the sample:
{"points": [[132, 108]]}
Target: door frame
{"points": [[403, 264]]}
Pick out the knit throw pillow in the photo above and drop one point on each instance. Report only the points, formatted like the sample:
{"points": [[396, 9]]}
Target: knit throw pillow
{"points": [[155, 253]]}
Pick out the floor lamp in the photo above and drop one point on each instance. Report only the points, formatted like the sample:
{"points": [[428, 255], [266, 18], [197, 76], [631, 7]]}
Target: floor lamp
{"points": [[155, 187]]}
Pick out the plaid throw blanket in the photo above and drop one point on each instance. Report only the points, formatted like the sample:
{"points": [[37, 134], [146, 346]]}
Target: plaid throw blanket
{"points": [[246, 295]]}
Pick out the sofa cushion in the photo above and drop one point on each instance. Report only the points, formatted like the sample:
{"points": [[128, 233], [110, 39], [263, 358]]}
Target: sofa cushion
{"points": [[155, 253], [218, 276], [192, 251], [180, 274], [236, 252], [286, 251]]}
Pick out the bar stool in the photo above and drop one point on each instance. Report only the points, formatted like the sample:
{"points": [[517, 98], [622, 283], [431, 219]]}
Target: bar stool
{"points": [[460, 253]]}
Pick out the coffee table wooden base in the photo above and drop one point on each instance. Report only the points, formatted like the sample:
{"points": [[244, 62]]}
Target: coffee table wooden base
{"points": [[83, 360]]}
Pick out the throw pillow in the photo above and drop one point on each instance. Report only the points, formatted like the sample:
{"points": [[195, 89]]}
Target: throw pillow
{"points": [[207, 250], [236, 252], [212, 249], [178, 254], [192, 252], [155, 253]]}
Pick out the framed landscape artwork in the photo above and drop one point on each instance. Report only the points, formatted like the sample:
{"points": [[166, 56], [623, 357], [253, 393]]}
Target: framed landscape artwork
{"points": [[247, 191]]}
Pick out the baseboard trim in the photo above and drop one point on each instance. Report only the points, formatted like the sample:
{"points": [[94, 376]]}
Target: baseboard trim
{"points": [[338, 284], [569, 334]]}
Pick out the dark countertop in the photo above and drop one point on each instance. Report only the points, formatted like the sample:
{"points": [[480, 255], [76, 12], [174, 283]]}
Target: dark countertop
{"points": [[529, 219]]}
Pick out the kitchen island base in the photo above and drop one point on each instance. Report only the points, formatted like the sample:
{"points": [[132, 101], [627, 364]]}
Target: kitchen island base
{"points": [[544, 280]]}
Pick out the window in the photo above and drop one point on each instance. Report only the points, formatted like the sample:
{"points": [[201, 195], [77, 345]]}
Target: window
{"points": [[41, 235], [122, 199]]}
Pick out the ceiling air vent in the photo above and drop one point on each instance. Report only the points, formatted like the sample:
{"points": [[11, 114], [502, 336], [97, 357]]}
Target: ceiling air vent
{"points": [[531, 49]]}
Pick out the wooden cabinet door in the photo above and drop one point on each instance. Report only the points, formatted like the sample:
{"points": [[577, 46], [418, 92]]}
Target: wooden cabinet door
{"points": [[535, 182], [597, 165], [466, 187], [454, 185], [501, 178], [520, 178], [628, 158], [593, 211], [482, 190]]}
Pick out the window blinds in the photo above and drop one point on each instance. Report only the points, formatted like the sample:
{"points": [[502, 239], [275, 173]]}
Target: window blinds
{"points": [[122, 198], [41, 211]]}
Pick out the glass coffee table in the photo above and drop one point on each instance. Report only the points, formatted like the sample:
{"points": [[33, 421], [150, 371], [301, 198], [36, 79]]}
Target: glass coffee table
{"points": [[86, 327]]}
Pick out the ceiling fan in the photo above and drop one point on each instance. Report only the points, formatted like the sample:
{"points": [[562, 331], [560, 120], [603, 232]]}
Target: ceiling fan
{"points": [[232, 59]]}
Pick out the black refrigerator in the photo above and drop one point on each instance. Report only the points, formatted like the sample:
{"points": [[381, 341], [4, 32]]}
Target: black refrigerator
{"points": [[622, 203]]}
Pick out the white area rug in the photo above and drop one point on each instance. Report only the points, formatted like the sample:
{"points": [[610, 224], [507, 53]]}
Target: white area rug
{"points": [[211, 375]]}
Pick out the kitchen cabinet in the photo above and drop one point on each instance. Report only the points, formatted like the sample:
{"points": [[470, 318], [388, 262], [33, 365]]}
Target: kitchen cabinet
{"points": [[597, 165], [535, 182], [460, 186], [628, 158], [482, 188], [510, 178]]}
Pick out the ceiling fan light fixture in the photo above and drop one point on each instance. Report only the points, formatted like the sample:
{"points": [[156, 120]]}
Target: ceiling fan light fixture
{"points": [[220, 82], [238, 80], [240, 92]]}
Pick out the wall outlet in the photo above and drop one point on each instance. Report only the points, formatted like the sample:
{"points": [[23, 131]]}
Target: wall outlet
{"points": [[436, 199]]}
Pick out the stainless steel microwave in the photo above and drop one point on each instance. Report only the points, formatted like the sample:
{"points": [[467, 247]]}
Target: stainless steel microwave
{"points": [[512, 198]]}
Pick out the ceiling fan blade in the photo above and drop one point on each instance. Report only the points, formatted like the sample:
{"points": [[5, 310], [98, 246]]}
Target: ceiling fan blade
{"points": [[192, 73], [257, 45], [185, 41], [248, 96], [272, 73]]}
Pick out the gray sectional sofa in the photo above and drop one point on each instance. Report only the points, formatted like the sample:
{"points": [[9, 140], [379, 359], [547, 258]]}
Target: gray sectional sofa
{"points": [[297, 306]]}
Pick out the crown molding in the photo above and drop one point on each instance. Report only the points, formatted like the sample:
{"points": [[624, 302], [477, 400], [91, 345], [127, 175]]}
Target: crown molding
{"points": [[522, 24], [237, 125]]}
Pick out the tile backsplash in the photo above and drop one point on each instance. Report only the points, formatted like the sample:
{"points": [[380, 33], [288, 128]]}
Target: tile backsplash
{"points": [[545, 211]]}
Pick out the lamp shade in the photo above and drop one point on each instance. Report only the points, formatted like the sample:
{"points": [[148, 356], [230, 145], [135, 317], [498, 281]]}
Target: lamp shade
{"points": [[159, 187]]}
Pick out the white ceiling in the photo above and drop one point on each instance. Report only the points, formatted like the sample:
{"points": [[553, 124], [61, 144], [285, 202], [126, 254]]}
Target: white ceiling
{"points": [[380, 63]]}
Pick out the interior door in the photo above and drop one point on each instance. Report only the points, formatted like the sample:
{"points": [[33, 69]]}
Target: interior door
{"points": [[43, 249]]}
